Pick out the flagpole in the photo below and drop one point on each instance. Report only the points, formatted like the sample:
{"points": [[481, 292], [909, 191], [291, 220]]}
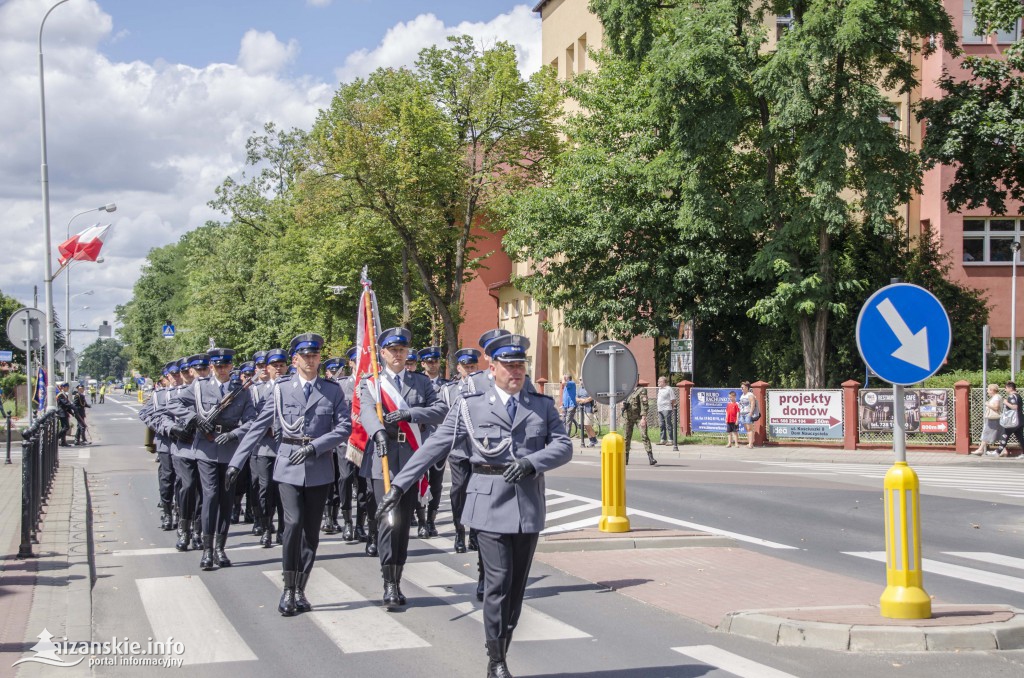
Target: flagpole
{"points": [[375, 370]]}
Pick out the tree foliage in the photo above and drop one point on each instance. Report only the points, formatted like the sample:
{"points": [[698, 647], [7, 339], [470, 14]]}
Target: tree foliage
{"points": [[730, 178], [104, 359]]}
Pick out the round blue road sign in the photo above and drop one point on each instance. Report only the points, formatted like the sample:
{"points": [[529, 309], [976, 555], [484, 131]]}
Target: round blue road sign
{"points": [[903, 334]]}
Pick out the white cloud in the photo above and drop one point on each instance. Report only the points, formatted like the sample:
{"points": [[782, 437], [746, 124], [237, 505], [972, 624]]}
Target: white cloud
{"points": [[403, 41], [264, 53], [318, 3]]}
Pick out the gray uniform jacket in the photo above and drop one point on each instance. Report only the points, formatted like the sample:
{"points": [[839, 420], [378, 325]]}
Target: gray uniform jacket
{"points": [[163, 419], [426, 409], [493, 505], [238, 417], [325, 421], [267, 446], [150, 415]]}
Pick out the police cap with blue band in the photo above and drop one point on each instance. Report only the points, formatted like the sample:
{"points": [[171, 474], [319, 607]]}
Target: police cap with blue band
{"points": [[430, 353], [221, 356], [490, 335], [166, 370], [352, 353], [394, 335], [275, 355], [510, 348], [467, 355], [247, 368], [332, 364], [173, 367], [199, 360], [183, 363], [259, 358], [412, 357], [307, 343]]}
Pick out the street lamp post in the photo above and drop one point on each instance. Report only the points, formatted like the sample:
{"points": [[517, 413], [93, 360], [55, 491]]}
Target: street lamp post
{"points": [[44, 176], [1013, 312]]}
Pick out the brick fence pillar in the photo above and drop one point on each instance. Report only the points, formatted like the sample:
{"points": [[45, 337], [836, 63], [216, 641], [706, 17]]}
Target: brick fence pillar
{"points": [[851, 428], [760, 389], [962, 414], [684, 406]]}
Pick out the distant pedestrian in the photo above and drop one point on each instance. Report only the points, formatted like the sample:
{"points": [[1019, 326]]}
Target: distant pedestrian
{"points": [[634, 411], [748, 407], [585, 404], [732, 415], [1012, 402], [666, 409], [568, 399], [103, 393], [992, 432]]}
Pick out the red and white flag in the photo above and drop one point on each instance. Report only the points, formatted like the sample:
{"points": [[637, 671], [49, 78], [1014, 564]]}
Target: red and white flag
{"points": [[84, 246], [367, 329]]}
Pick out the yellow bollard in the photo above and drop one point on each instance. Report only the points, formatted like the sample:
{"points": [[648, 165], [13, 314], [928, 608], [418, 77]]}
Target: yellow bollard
{"points": [[140, 395], [904, 596], [613, 484]]}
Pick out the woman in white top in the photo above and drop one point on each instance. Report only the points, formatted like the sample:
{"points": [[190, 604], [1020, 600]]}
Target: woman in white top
{"points": [[748, 405], [992, 431]]}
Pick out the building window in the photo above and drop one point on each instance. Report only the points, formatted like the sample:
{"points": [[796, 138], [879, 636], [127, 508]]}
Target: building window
{"points": [[892, 119], [570, 62], [1003, 37], [782, 24], [581, 54], [504, 310], [529, 306], [991, 240]]}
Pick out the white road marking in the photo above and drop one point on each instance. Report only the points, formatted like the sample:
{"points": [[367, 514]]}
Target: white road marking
{"points": [[985, 557], [733, 663], [183, 608], [438, 580], [352, 622], [589, 521], [84, 454], [970, 574], [571, 511]]}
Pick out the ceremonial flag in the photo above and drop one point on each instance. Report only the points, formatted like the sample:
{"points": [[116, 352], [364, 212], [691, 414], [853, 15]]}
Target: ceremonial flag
{"points": [[367, 329], [41, 388], [84, 246]]}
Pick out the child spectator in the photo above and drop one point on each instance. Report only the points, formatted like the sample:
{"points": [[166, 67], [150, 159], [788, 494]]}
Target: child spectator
{"points": [[732, 415]]}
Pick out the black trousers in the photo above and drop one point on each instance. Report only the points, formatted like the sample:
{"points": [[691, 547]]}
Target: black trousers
{"points": [[393, 540], [216, 510], [166, 477], [252, 495], [506, 559], [333, 491], [461, 470], [348, 478], [435, 477], [268, 494], [187, 471], [303, 507]]}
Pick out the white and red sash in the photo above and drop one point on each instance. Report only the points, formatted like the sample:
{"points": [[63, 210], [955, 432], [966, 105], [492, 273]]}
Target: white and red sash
{"points": [[393, 401]]}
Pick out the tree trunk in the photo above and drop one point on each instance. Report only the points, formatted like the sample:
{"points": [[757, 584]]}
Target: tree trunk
{"points": [[406, 289], [814, 339]]}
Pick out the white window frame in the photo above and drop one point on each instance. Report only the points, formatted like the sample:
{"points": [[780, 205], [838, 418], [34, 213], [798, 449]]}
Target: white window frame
{"points": [[986, 235]]}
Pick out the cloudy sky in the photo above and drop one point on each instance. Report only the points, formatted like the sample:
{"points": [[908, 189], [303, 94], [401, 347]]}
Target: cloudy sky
{"points": [[149, 104]]}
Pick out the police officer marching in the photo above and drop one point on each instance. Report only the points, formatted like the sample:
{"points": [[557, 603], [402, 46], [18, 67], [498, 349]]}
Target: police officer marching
{"points": [[330, 524], [430, 359], [276, 365], [309, 417], [515, 437], [149, 414], [349, 477], [410, 404], [467, 360], [183, 456], [218, 422]]}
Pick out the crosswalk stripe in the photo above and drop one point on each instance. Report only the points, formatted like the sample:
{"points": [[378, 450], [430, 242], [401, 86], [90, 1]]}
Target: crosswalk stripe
{"points": [[352, 622], [589, 521], [571, 511], [970, 574], [439, 580], [985, 557], [183, 608], [733, 663], [554, 501]]}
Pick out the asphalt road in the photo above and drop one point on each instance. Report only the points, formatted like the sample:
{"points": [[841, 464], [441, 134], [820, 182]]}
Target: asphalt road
{"points": [[228, 621]]}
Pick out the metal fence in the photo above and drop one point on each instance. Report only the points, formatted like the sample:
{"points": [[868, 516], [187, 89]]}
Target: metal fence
{"points": [[39, 463]]}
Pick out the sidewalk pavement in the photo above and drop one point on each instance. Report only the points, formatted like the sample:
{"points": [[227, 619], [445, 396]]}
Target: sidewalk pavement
{"points": [[53, 590]]}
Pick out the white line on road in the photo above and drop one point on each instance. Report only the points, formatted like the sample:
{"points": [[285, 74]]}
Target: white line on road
{"points": [[589, 521], [733, 663], [571, 511], [84, 454], [439, 580], [183, 608], [352, 622], [970, 574], [994, 558]]}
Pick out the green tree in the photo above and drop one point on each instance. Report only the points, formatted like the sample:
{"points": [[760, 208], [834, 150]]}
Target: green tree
{"points": [[9, 305], [739, 173], [421, 154], [103, 358], [977, 125]]}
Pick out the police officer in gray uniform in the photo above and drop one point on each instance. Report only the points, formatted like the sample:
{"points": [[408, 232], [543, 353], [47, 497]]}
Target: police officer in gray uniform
{"points": [[430, 359], [276, 362], [330, 525], [349, 477], [149, 414], [216, 439], [419, 405], [515, 438], [467, 360], [310, 418]]}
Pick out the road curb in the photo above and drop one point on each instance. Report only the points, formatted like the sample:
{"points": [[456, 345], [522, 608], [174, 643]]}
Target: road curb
{"points": [[775, 628], [613, 544]]}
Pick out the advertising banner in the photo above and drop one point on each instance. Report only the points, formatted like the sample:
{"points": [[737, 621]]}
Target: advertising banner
{"points": [[927, 410], [805, 414], [707, 409]]}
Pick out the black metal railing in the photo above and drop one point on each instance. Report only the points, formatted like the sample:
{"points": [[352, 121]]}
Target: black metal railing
{"points": [[39, 463]]}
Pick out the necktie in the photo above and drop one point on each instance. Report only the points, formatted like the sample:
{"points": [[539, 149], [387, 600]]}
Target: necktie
{"points": [[223, 388], [398, 382], [511, 406], [307, 389]]}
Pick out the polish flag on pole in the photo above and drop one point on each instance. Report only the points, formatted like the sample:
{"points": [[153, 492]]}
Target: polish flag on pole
{"points": [[84, 246], [367, 329]]}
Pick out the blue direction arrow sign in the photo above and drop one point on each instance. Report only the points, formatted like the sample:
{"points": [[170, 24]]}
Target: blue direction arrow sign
{"points": [[168, 331], [903, 334]]}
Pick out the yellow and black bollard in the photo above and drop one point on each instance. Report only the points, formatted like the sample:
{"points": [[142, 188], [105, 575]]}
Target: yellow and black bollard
{"points": [[904, 596], [613, 484]]}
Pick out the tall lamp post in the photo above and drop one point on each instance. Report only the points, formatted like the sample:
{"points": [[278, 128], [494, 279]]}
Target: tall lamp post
{"points": [[44, 175], [1013, 311]]}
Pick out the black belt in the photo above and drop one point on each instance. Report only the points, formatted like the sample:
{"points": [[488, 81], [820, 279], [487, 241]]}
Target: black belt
{"points": [[224, 428], [489, 469], [304, 440]]}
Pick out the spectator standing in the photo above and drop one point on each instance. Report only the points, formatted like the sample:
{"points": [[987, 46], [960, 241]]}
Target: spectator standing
{"points": [[748, 406], [666, 409], [1012, 402], [80, 405], [103, 392], [586, 406], [634, 411], [568, 399], [993, 432], [732, 414]]}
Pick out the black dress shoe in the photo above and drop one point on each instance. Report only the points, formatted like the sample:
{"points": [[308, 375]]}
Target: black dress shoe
{"points": [[472, 541], [267, 540], [347, 533], [206, 562], [359, 532], [460, 540], [287, 604], [371, 547], [184, 537], [301, 604], [218, 551], [279, 539]]}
